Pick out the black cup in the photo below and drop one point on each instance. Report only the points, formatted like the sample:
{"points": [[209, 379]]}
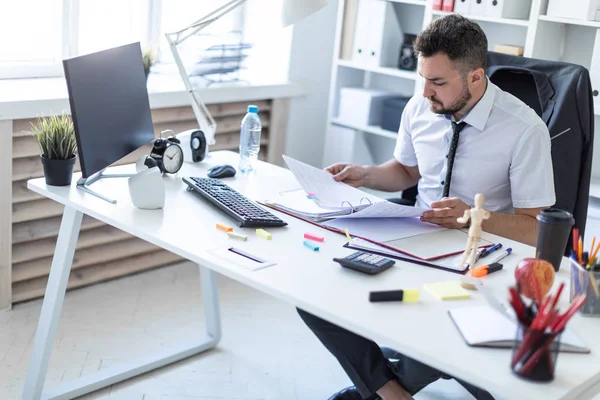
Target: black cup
{"points": [[554, 226]]}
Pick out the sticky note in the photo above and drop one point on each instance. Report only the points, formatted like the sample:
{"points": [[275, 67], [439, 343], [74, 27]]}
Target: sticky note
{"points": [[450, 290], [314, 238], [263, 233], [311, 245], [224, 228], [237, 236]]}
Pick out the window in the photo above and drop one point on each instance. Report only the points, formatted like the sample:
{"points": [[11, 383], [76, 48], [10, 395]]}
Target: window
{"points": [[110, 23], [31, 41], [35, 43]]}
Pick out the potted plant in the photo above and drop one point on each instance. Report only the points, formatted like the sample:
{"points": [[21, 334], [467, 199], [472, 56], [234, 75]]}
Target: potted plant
{"points": [[148, 59], [55, 137]]}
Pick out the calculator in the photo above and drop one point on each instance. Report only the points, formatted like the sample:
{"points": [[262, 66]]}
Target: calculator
{"points": [[364, 262]]}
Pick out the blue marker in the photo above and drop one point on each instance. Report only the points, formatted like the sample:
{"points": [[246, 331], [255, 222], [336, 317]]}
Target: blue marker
{"points": [[502, 255], [490, 250]]}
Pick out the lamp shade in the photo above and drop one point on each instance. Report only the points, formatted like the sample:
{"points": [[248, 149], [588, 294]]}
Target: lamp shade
{"points": [[296, 10]]}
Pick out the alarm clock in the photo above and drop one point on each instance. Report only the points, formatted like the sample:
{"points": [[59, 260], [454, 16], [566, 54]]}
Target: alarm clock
{"points": [[168, 154]]}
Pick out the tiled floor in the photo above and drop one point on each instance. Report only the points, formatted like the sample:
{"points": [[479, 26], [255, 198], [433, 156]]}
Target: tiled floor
{"points": [[266, 352]]}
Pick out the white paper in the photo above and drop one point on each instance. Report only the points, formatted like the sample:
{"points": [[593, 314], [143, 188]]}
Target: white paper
{"points": [[383, 229], [297, 203], [331, 194], [386, 209]]}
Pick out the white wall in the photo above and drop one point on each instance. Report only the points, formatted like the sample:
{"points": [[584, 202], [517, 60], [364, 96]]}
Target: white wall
{"points": [[310, 61]]}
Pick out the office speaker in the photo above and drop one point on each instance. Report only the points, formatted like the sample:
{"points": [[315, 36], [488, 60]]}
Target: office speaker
{"points": [[193, 144], [407, 60]]}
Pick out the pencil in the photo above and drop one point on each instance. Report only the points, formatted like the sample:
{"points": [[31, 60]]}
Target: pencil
{"points": [[580, 251], [591, 252], [595, 252]]}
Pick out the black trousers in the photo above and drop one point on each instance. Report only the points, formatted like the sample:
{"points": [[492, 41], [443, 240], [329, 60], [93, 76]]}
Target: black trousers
{"points": [[368, 368]]}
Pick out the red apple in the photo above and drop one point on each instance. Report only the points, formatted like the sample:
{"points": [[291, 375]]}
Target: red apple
{"points": [[530, 269]]}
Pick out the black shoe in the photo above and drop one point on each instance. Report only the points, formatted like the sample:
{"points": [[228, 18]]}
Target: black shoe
{"points": [[351, 393]]}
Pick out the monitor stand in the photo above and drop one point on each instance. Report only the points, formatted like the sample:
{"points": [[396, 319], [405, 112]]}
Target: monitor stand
{"points": [[83, 183]]}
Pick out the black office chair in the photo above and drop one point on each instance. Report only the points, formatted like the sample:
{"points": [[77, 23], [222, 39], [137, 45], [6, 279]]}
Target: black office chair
{"points": [[561, 94]]}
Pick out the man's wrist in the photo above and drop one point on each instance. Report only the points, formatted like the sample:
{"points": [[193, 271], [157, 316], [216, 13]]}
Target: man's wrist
{"points": [[367, 174]]}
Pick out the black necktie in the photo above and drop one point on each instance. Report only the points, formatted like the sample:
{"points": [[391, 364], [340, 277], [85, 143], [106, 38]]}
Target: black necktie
{"points": [[456, 128]]}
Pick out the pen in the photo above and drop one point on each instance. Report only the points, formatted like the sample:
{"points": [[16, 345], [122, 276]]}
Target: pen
{"points": [[502, 255], [490, 250]]}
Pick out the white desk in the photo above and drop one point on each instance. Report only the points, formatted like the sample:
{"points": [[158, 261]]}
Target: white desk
{"points": [[307, 279]]}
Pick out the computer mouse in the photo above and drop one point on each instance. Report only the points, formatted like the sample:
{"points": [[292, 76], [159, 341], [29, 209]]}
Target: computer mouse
{"points": [[221, 171]]}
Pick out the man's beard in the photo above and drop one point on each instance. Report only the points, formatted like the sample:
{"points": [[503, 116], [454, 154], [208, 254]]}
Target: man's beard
{"points": [[455, 107]]}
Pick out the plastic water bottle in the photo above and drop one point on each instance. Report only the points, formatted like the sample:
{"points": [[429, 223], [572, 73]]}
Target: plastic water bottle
{"points": [[250, 140]]}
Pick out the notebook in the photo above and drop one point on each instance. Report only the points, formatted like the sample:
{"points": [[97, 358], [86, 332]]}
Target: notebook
{"points": [[482, 326]]}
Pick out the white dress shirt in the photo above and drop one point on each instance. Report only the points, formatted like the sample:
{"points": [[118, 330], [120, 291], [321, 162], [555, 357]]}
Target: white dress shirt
{"points": [[503, 152]]}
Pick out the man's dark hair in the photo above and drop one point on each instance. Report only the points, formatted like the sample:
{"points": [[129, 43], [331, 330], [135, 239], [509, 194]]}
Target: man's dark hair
{"points": [[462, 40]]}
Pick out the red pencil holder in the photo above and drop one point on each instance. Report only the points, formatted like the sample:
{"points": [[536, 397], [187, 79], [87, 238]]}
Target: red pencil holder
{"points": [[535, 353]]}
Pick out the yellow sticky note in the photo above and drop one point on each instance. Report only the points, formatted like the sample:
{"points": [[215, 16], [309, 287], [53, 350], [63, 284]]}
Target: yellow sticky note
{"points": [[450, 290], [264, 234]]}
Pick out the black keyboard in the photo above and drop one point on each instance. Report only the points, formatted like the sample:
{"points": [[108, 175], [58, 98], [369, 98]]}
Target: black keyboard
{"points": [[246, 213]]}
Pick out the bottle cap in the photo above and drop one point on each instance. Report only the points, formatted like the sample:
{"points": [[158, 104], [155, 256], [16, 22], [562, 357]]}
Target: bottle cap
{"points": [[253, 109]]}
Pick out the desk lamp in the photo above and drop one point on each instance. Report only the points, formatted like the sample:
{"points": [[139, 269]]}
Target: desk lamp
{"points": [[293, 11]]}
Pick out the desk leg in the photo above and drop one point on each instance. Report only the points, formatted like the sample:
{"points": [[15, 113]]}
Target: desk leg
{"points": [[210, 297], [53, 302], [55, 293]]}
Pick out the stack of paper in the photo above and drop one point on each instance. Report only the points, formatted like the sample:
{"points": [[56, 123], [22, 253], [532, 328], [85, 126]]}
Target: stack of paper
{"points": [[297, 202], [328, 194]]}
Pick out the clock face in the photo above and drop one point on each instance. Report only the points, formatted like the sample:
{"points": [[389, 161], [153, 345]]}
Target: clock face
{"points": [[172, 158]]}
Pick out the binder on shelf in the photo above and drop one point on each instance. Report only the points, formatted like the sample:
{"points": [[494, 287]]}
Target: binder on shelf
{"points": [[448, 5], [437, 4], [462, 6], [378, 36], [595, 72], [477, 7], [516, 9], [349, 24]]}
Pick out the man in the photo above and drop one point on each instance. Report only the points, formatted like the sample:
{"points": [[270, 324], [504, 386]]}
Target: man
{"points": [[462, 137]]}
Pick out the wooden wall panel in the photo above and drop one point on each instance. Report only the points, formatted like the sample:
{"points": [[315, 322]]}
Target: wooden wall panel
{"points": [[6, 128], [35, 288], [103, 252], [45, 228]]}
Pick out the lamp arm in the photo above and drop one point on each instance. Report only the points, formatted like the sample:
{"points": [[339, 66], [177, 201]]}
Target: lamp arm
{"points": [[203, 117]]}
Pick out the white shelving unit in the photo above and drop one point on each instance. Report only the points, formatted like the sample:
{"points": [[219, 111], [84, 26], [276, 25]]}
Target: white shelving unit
{"points": [[543, 37]]}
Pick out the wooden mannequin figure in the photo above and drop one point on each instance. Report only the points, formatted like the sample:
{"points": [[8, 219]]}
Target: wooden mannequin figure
{"points": [[477, 214]]}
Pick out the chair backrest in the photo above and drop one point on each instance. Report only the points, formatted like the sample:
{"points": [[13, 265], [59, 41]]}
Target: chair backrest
{"points": [[561, 94]]}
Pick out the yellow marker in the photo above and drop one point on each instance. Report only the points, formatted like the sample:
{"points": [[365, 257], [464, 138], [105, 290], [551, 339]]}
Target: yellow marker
{"points": [[224, 228], [348, 235], [237, 236], [264, 234]]}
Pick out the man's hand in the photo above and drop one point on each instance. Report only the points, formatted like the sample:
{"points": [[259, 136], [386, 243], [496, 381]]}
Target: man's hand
{"points": [[446, 212], [350, 174]]}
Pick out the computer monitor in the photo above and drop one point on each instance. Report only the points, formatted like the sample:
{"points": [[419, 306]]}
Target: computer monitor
{"points": [[109, 107]]}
